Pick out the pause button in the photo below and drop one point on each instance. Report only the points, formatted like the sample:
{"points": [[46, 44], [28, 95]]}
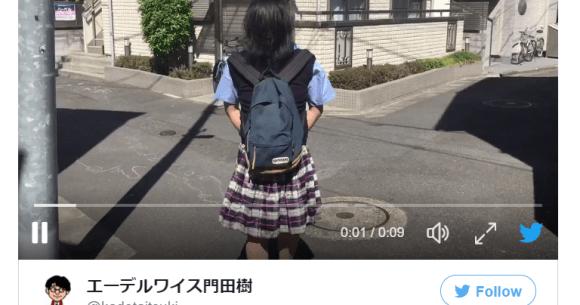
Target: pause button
{"points": [[43, 233]]}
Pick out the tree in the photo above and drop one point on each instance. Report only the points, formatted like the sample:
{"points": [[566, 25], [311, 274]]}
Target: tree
{"points": [[167, 27]]}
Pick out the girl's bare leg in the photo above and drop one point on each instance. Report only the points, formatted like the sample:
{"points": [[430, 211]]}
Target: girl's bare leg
{"points": [[287, 244], [257, 248]]}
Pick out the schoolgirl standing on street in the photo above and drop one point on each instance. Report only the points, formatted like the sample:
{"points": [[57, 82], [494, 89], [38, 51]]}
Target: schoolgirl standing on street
{"points": [[278, 203]]}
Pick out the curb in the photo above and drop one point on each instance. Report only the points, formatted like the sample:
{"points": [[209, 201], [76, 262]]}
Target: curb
{"points": [[337, 112], [525, 72]]}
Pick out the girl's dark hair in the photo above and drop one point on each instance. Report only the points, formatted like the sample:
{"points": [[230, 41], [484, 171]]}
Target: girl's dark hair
{"points": [[269, 26]]}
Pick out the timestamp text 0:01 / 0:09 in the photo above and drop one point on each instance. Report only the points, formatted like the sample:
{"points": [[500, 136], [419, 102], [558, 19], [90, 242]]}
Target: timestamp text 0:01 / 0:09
{"points": [[381, 232]]}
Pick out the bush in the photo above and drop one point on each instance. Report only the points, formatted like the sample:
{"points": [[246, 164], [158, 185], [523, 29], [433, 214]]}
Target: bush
{"points": [[360, 77], [143, 63], [167, 28], [464, 57], [199, 70], [432, 63], [416, 66], [166, 24]]}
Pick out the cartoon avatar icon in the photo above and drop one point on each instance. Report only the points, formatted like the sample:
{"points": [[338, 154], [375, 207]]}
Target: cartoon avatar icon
{"points": [[57, 288]]}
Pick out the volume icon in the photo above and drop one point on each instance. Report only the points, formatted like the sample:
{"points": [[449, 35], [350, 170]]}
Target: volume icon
{"points": [[438, 233]]}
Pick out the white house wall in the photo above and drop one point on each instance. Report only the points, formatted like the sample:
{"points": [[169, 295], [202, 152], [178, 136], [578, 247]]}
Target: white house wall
{"points": [[319, 41], [126, 23], [392, 44], [397, 43], [508, 22]]}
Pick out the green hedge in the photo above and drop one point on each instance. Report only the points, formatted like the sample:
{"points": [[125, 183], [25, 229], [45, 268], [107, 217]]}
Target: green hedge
{"points": [[199, 70], [360, 77], [145, 63]]}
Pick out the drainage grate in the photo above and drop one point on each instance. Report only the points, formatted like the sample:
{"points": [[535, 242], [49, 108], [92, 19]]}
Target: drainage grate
{"points": [[167, 133], [508, 104], [344, 215]]}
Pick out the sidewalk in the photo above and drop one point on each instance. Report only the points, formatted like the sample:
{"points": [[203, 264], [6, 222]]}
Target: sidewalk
{"points": [[538, 63]]}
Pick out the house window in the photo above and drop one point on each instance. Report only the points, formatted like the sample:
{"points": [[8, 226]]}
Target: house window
{"points": [[451, 35], [349, 9], [343, 48], [404, 5]]}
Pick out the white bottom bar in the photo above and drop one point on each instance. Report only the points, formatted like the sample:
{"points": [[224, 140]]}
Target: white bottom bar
{"points": [[287, 282]]}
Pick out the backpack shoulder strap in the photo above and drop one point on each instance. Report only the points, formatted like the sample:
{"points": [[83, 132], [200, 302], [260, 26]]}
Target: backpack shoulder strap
{"points": [[247, 71], [295, 66]]}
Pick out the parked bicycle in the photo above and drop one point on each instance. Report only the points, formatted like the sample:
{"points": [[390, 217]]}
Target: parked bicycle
{"points": [[218, 68], [527, 46]]}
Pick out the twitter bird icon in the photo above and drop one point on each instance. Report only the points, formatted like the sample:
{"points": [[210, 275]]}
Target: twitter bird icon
{"points": [[530, 234], [461, 292]]}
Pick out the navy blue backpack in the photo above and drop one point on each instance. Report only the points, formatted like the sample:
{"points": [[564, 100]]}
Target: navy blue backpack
{"points": [[274, 130]]}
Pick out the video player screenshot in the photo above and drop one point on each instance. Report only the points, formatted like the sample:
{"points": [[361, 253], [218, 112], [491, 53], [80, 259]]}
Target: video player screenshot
{"points": [[396, 151]]}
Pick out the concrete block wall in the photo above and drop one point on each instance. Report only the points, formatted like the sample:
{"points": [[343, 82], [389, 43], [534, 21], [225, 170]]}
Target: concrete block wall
{"points": [[477, 44], [66, 41]]}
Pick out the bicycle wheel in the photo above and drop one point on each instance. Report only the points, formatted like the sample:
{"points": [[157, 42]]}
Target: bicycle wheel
{"points": [[540, 47], [217, 75], [529, 52], [522, 53]]}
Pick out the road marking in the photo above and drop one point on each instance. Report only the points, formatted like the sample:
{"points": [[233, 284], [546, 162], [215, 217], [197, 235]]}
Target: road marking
{"points": [[171, 95]]}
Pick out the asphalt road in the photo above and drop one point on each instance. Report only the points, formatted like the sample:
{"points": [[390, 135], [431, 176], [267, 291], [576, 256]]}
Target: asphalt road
{"points": [[465, 155]]}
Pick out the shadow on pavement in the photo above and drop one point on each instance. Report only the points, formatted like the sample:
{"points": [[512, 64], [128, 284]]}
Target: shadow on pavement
{"points": [[101, 233], [79, 130], [529, 134]]}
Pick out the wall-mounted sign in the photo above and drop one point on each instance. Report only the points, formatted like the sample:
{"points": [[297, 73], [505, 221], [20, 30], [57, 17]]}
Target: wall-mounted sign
{"points": [[64, 12]]}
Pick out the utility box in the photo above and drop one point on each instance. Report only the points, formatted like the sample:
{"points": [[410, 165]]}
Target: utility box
{"points": [[552, 41]]}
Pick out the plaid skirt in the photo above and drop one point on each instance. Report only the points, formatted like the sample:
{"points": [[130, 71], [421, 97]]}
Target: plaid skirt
{"points": [[265, 205]]}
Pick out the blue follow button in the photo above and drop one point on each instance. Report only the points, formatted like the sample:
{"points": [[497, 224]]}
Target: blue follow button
{"points": [[488, 289]]}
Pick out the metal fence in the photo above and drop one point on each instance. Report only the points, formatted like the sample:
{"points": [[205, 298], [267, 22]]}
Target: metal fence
{"points": [[364, 15]]}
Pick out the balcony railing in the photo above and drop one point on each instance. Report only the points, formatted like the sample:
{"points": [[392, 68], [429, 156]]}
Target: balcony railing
{"points": [[366, 17]]}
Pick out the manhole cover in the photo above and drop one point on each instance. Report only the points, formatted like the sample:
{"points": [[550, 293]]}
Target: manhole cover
{"points": [[167, 133], [337, 213], [508, 104]]}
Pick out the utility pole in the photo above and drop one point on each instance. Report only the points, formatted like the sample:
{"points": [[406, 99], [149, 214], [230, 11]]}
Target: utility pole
{"points": [[111, 32], [218, 22], [37, 226], [94, 23]]}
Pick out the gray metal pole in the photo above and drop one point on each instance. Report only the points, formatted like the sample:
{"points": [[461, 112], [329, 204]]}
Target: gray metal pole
{"points": [[37, 131], [111, 32], [94, 23], [490, 39], [218, 30]]}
